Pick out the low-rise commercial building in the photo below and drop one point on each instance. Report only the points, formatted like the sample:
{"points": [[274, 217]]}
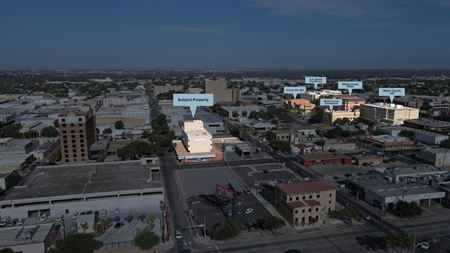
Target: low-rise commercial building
{"points": [[412, 174], [307, 202], [428, 137], [28, 239], [325, 158], [428, 124], [390, 143], [382, 193], [439, 157]]}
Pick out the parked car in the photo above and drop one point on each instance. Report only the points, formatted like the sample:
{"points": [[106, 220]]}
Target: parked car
{"points": [[129, 218], [43, 218], [60, 218], [249, 211], [20, 221], [178, 235], [141, 217], [74, 216], [103, 213], [423, 245], [118, 225]]}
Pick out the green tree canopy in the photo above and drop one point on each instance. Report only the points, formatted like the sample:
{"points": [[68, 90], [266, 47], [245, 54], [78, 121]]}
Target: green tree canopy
{"points": [[146, 240], [119, 124], [225, 230], [10, 131], [107, 131], [77, 243], [49, 131], [406, 209], [137, 149], [400, 242]]}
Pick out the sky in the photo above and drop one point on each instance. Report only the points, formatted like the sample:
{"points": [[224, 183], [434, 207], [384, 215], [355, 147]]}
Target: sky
{"points": [[225, 34]]}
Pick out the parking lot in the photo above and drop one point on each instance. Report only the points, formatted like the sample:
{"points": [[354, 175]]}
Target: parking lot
{"points": [[255, 176]]}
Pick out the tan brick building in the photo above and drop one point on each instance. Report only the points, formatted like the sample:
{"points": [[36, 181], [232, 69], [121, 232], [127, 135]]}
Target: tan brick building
{"points": [[307, 202], [77, 133]]}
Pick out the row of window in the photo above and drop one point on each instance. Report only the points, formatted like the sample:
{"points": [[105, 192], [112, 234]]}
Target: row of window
{"points": [[310, 197]]}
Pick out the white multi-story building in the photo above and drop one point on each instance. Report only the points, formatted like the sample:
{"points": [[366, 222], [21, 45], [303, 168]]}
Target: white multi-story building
{"points": [[195, 138], [390, 113]]}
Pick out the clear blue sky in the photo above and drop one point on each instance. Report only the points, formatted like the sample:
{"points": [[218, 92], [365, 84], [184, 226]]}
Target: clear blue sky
{"points": [[241, 34]]}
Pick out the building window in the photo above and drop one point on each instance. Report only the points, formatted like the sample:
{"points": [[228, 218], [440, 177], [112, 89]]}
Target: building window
{"points": [[63, 125], [331, 194], [290, 198], [67, 160], [304, 197], [80, 125], [303, 210], [296, 211], [329, 202], [80, 119], [297, 198], [310, 196], [63, 120], [318, 196], [310, 210], [72, 131], [317, 209], [72, 124], [73, 136]]}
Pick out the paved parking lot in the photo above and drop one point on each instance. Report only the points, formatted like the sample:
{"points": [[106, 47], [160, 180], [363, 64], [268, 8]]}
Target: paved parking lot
{"points": [[257, 175]]}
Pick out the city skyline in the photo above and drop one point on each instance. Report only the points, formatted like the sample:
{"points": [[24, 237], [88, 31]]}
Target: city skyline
{"points": [[207, 34]]}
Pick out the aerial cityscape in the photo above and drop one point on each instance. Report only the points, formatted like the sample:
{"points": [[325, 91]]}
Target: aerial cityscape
{"points": [[278, 126]]}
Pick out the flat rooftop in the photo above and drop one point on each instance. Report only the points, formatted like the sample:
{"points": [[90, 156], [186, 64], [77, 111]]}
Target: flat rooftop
{"points": [[322, 156], [205, 117], [11, 236], [418, 169], [48, 181], [390, 106], [388, 189], [429, 122]]}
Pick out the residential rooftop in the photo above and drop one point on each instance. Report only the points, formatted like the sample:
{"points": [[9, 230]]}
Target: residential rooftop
{"points": [[22, 235]]}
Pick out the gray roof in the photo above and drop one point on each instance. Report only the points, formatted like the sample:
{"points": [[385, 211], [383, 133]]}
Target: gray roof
{"points": [[11, 236], [205, 117], [49, 181]]}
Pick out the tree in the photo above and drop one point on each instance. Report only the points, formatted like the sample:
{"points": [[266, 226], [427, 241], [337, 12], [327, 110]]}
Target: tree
{"points": [[77, 243], [107, 131], [30, 134], [146, 240], [10, 131], [445, 144], [283, 146], [119, 124], [6, 250], [351, 213], [400, 242], [274, 223], [137, 149], [49, 131], [102, 225], [225, 230], [406, 209], [84, 226], [56, 123], [407, 133]]}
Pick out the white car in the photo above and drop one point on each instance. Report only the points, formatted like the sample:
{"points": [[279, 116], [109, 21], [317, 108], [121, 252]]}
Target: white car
{"points": [[20, 221], [423, 245], [74, 216], [178, 235], [249, 211], [60, 218], [43, 218]]}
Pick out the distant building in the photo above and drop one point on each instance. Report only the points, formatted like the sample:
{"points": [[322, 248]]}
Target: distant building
{"points": [[332, 116], [428, 124], [409, 102], [428, 137], [305, 203], [325, 158], [316, 95], [439, 157], [382, 193], [160, 89], [222, 93], [413, 174], [304, 105], [211, 122], [349, 102], [77, 132], [390, 143], [390, 113]]}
